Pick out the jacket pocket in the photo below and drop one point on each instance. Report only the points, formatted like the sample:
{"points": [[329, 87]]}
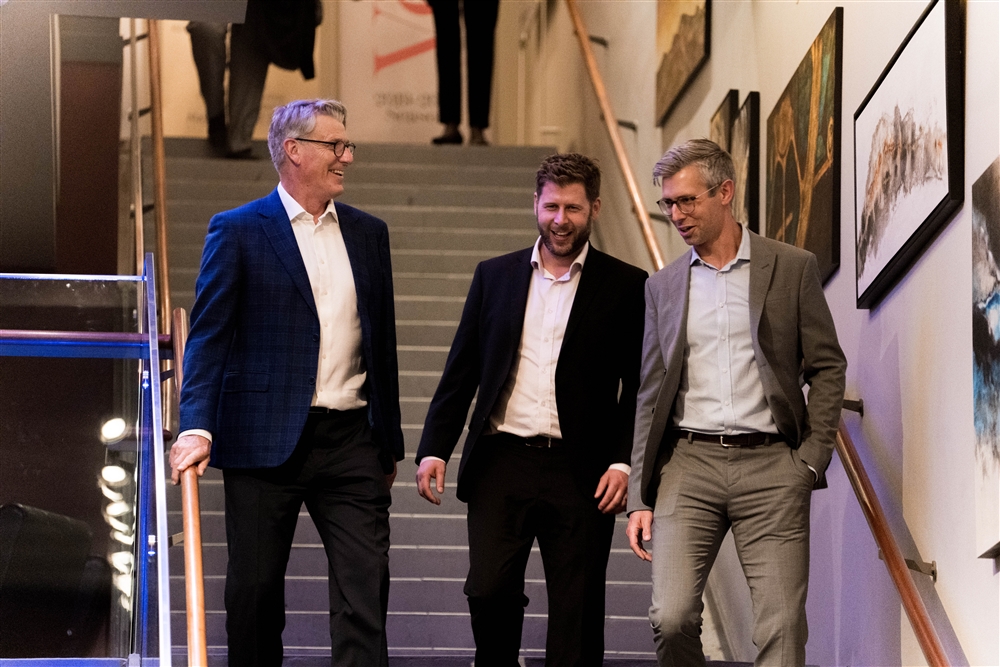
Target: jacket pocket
{"points": [[233, 382]]}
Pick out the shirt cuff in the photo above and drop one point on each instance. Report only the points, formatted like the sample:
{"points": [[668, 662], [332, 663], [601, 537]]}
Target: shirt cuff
{"points": [[815, 474], [433, 458], [196, 431], [622, 467]]}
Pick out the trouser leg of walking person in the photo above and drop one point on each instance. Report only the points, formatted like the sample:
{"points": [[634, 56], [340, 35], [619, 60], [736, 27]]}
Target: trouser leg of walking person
{"points": [[208, 46], [480, 29], [248, 65], [574, 538]]}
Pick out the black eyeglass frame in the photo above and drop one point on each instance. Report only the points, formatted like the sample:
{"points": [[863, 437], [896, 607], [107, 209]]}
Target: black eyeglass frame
{"points": [[685, 204], [332, 145]]}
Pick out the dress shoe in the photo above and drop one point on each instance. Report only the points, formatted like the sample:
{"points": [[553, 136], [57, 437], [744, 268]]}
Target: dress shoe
{"points": [[448, 138]]}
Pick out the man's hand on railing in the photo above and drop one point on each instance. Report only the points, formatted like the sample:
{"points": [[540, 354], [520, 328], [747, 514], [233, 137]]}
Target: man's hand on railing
{"points": [[189, 450]]}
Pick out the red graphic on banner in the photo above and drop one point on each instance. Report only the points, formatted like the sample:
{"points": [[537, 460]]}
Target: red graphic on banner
{"points": [[383, 60], [418, 7]]}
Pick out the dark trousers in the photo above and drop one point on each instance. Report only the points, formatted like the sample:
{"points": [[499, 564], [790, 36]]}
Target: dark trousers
{"points": [[522, 494], [480, 26], [335, 472], [248, 64]]}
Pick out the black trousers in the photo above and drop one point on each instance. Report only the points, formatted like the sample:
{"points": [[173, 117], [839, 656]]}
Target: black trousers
{"points": [[480, 25], [335, 471], [522, 494]]}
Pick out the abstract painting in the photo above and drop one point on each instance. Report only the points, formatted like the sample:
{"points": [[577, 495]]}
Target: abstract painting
{"points": [[803, 152], [986, 337], [908, 150], [720, 128], [683, 38], [745, 149]]}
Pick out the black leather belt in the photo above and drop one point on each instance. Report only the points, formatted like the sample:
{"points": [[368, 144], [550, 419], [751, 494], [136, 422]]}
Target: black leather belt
{"points": [[732, 440], [543, 442]]}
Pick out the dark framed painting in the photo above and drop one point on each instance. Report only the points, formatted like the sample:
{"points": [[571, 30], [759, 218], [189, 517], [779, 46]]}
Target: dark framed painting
{"points": [[720, 128], [683, 36], [745, 149], [803, 152], [986, 351], [909, 150]]}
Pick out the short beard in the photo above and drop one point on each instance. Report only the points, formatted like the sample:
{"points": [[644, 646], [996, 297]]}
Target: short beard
{"points": [[577, 246]]}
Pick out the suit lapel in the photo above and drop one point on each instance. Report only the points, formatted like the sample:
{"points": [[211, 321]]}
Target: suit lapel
{"points": [[761, 268], [356, 242], [590, 284], [278, 229], [675, 298], [518, 295]]}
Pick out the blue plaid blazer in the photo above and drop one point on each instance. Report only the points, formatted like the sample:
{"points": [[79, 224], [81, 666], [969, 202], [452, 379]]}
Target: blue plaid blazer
{"points": [[253, 349]]}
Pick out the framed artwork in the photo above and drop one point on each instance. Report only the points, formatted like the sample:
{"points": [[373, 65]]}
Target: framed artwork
{"points": [[908, 150], [682, 37], [986, 355], [720, 128], [745, 149], [803, 152]]}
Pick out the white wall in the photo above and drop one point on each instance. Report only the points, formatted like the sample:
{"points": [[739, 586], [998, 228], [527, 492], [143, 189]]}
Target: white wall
{"points": [[910, 359]]}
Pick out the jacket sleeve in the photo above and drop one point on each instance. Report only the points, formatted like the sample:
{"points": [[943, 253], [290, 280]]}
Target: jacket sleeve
{"points": [[632, 325], [651, 379], [213, 321], [824, 370], [450, 405], [392, 419]]}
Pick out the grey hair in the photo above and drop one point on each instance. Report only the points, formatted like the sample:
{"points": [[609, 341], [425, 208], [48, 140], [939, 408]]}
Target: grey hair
{"points": [[714, 164], [296, 119]]}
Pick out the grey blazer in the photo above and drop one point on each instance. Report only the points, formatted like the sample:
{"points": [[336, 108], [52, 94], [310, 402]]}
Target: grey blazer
{"points": [[794, 342]]}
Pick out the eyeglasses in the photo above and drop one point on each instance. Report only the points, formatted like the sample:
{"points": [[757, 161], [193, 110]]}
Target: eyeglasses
{"points": [[685, 204], [338, 147]]}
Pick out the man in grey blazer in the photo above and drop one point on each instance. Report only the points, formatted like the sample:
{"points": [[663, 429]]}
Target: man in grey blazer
{"points": [[724, 438]]}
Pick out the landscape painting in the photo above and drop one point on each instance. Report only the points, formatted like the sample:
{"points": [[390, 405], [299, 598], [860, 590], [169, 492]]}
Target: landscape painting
{"points": [[986, 350], [745, 149], [682, 39], [720, 127], [803, 152], [907, 152]]}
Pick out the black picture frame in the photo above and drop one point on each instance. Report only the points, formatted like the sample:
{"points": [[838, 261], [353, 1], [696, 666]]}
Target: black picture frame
{"points": [[901, 199], [690, 50], [745, 149], [804, 152], [720, 127]]}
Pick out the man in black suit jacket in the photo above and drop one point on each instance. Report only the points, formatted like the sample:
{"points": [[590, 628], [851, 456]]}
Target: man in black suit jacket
{"points": [[291, 385], [551, 338]]}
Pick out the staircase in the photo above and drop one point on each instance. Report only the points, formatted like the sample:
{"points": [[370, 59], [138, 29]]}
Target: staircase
{"points": [[447, 208]]}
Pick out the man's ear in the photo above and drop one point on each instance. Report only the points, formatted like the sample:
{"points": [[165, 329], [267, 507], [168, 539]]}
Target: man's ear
{"points": [[292, 150], [595, 208], [536, 205], [727, 190]]}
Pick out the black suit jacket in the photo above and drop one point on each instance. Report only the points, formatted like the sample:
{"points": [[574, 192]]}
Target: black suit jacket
{"points": [[600, 353]]}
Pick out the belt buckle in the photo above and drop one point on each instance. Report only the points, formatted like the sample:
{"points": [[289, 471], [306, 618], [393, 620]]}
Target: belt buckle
{"points": [[722, 441]]}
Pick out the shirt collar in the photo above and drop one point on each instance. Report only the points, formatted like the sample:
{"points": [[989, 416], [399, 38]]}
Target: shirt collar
{"points": [[576, 267], [294, 210], [742, 254]]}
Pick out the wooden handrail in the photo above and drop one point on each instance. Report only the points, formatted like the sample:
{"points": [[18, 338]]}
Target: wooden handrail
{"points": [[194, 578], [611, 123], [913, 604], [159, 174]]}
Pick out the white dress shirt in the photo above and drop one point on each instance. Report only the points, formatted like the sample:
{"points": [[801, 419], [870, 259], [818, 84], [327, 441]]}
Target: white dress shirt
{"points": [[526, 406], [341, 373], [340, 377], [720, 390]]}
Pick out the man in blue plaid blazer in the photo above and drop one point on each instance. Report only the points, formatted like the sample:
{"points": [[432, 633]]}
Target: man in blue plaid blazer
{"points": [[291, 388]]}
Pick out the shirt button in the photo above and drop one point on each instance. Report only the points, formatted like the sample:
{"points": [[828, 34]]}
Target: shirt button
{"points": [[315, 337], [546, 340], [727, 402], [721, 305]]}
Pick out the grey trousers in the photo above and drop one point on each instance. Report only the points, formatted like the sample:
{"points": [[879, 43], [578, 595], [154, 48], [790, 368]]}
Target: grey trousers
{"points": [[763, 495], [248, 65]]}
